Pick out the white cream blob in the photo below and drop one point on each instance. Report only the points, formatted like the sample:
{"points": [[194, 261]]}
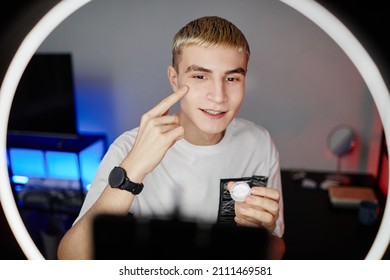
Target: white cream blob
{"points": [[240, 191]]}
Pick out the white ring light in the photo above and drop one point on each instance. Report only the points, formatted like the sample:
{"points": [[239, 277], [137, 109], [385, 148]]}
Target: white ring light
{"points": [[309, 8], [7, 91]]}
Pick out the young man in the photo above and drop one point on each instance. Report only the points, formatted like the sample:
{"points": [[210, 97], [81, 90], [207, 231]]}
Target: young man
{"points": [[187, 161]]}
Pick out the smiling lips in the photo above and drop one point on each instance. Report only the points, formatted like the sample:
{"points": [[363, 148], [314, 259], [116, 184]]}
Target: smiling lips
{"points": [[213, 114]]}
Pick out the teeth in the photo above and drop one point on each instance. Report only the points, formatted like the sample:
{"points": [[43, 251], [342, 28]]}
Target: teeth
{"points": [[211, 112]]}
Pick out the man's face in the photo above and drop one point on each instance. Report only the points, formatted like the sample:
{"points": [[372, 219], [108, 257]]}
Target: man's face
{"points": [[216, 80]]}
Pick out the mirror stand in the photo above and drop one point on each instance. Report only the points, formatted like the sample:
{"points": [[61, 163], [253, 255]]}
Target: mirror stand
{"points": [[338, 178], [341, 141]]}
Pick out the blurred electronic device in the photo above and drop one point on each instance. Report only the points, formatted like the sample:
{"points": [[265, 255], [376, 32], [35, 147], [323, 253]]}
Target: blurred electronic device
{"points": [[125, 237], [44, 101]]}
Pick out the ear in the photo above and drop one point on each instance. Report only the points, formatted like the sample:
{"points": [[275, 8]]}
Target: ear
{"points": [[172, 77]]}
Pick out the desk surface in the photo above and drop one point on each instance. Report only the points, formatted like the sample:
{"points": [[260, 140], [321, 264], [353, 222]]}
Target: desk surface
{"points": [[317, 230], [314, 229]]}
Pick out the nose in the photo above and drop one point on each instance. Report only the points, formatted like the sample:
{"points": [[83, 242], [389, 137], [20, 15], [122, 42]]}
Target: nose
{"points": [[217, 93]]}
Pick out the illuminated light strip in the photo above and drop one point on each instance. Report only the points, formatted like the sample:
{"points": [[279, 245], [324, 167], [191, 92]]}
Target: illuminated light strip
{"points": [[18, 179], [371, 75], [312, 10]]}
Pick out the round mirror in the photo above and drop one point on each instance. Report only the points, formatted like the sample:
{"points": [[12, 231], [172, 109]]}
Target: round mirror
{"points": [[342, 140]]}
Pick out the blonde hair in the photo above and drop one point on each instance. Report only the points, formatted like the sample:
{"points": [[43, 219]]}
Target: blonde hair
{"points": [[206, 32]]}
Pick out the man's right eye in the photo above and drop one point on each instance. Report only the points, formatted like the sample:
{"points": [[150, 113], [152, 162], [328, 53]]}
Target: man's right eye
{"points": [[199, 77]]}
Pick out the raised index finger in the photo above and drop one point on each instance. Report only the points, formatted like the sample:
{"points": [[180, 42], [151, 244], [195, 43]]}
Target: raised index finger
{"points": [[168, 102]]}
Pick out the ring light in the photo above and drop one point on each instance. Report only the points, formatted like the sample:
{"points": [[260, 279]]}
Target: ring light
{"points": [[309, 8], [10, 82]]}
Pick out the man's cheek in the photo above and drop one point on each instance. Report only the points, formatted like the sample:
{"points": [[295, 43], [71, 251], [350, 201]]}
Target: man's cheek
{"points": [[184, 102]]}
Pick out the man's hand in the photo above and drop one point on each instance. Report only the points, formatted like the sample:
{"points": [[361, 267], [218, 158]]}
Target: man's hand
{"points": [[260, 208], [158, 131]]}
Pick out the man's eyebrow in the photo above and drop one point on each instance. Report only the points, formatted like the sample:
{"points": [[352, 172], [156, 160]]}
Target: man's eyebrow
{"points": [[198, 69], [238, 70]]}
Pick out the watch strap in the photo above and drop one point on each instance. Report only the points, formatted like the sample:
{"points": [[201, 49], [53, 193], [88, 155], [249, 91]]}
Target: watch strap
{"points": [[132, 187]]}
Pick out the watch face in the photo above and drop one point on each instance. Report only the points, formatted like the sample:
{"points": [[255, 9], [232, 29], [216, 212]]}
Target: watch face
{"points": [[117, 177]]}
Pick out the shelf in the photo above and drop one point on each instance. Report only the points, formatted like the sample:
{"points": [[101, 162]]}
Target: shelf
{"points": [[54, 162], [65, 143]]}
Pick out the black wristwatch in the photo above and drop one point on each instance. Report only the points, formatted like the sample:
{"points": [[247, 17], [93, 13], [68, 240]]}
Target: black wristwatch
{"points": [[118, 179]]}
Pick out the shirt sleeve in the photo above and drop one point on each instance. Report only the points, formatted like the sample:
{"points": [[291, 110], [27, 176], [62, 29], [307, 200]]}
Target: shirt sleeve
{"points": [[274, 181]]}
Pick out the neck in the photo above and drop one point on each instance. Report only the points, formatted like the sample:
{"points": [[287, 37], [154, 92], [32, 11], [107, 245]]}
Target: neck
{"points": [[204, 139]]}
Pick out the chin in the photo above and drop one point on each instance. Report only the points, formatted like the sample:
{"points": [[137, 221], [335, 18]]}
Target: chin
{"points": [[213, 129]]}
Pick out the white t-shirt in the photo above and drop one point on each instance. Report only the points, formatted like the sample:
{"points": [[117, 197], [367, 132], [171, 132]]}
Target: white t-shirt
{"points": [[191, 180]]}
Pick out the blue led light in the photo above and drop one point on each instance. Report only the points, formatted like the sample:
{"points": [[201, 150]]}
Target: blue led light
{"points": [[18, 188], [18, 179], [62, 165], [87, 187], [26, 162], [89, 162]]}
